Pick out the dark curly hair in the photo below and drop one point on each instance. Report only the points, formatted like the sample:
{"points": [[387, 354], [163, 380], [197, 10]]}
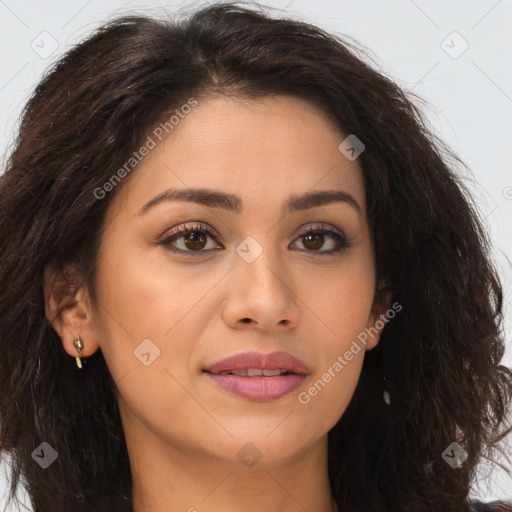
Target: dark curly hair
{"points": [[440, 356]]}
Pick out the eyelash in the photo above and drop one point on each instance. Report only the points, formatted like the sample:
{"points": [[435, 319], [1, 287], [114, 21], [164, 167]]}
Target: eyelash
{"points": [[342, 242]]}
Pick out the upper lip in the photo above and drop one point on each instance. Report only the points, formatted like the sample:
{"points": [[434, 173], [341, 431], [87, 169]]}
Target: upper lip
{"points": [[270, 361]]}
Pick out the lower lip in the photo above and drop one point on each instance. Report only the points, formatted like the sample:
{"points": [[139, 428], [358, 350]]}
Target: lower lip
{"points": [[258, 389]]}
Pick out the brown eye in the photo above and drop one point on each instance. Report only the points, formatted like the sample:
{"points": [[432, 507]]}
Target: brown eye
{"points": [[193, 240], [314, 241], [314, 238]]}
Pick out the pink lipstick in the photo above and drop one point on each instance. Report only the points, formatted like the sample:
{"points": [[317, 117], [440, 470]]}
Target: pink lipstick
{"points": [[259, 377]]}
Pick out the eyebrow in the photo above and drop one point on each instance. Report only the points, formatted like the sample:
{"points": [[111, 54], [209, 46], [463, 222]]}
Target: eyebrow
{"points": [[233, 203]]}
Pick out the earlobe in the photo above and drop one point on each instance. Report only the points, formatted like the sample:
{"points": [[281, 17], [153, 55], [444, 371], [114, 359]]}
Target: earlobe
{"points": [[374, 329], [378, 317], [67, 308]]}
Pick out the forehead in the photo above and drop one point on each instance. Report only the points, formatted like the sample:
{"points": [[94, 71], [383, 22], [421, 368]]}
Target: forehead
{"points": [[260, 149]]}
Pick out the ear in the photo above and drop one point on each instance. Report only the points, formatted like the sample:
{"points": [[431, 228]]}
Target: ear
{"points": [[378, 318], [68, 308]]}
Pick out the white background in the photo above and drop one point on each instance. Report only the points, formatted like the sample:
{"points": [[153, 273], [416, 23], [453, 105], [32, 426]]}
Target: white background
{"points": [[470, 97]]}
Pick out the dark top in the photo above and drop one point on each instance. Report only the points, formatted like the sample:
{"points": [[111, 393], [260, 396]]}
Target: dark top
{"points": [[494, 506]]}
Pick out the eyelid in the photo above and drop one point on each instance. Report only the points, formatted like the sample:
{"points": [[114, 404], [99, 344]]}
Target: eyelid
{"points": [[189, 226], [319, 227]]}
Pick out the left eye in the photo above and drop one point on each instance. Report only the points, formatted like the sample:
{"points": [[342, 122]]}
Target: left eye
{"points": [[314, 237], [194, 240]]}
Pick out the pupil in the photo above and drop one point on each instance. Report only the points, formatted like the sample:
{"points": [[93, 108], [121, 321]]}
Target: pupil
{"points": [[319, 237], [194, 238]]}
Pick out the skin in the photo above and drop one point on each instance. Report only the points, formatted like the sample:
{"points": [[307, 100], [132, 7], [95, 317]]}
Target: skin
{"points": [[184, 432]]}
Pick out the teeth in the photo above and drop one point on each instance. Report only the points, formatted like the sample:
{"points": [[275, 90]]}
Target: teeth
{"points": [[255, 372], [271, 373]]}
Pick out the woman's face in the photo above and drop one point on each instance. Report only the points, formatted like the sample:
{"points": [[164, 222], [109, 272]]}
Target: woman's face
{"points": [[170, 305]]}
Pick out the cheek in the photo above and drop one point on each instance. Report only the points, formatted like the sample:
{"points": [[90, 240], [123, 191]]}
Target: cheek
{"points": [[152, 313], [135, 311], [147, 321], [342, 307], [328, 394], [341, 301], [145, 296]]}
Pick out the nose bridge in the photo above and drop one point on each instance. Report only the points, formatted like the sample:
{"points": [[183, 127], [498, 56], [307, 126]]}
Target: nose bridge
{"points": [[260, 263], [262, 291]]}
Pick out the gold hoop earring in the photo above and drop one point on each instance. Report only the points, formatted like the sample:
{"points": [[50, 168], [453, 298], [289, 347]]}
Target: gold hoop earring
{"points": [[79, 345]]}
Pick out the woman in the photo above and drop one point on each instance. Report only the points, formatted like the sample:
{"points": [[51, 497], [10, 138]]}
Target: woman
{"points": [[239, 273]]}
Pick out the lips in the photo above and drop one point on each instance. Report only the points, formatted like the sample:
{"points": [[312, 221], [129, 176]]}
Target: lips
{"points": [[253, 363], [258, 377]]}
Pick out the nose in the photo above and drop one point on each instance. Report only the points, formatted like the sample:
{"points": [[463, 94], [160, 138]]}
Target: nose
{"points": [[261, 295]]}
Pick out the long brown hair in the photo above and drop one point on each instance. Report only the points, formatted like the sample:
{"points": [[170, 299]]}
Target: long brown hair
{"points": [[440, 356]]}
